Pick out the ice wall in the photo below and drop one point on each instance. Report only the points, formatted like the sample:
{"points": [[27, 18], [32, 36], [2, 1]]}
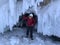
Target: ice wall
{"points": [[13, 13], [51, 19], [30, 3], [8, 16], [3, 17]]}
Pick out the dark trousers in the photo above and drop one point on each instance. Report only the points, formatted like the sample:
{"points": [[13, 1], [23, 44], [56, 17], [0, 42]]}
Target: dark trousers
{"points": [[29, 31]]}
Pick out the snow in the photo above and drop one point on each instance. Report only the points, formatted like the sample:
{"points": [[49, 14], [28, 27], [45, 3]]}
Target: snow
{"points": [[15, 38], [14, 41]]}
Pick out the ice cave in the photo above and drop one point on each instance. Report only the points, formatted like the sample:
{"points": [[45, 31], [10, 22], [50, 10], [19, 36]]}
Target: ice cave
{"points": [[48, 14]]}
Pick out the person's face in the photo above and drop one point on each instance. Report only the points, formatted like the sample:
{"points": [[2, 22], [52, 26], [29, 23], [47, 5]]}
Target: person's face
{"points": [[30, 17]]}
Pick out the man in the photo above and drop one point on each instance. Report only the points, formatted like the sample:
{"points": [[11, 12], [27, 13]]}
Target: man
{"points": [[30, 22]]}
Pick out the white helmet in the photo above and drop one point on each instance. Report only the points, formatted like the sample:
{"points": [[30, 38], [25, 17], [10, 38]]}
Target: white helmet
{"points": [[31, 15]]}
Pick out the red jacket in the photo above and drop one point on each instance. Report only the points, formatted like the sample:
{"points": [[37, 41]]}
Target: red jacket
{"points": [[30, 22]]}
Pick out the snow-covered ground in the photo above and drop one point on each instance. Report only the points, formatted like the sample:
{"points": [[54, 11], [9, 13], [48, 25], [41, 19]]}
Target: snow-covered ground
{"points": [[17, 37]]}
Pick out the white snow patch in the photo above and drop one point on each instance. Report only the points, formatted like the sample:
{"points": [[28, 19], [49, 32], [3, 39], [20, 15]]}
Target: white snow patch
{"points": [[14, 41]]}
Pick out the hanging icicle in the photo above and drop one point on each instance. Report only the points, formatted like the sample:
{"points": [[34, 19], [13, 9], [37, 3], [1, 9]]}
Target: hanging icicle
{"points": [[13, 15]]}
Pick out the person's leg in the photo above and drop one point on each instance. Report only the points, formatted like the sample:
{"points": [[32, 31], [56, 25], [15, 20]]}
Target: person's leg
{"points": [[27, 32], [31, 33]]}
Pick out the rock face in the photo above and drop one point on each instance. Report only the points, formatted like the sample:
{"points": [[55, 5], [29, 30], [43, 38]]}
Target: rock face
{"points": [[45, 2]]}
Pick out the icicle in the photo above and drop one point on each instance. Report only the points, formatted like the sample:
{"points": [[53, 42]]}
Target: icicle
{"points": [[13, 15]]}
